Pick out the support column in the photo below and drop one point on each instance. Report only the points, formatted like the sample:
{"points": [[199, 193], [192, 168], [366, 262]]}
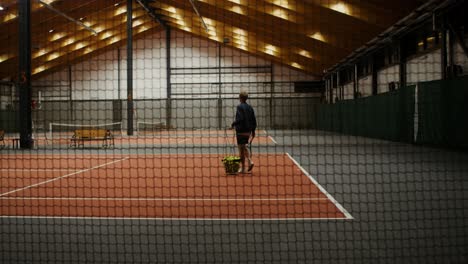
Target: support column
{"points": [[220, 100], [443, 52], [168, 79], [119, 88], [450, 50], [70, 95], [405, 130], [272, 92], [374, 76], [327, 90], [117, 104], [402, 64], [338, 86], [356, 82], [129, 69], [24, 80]]}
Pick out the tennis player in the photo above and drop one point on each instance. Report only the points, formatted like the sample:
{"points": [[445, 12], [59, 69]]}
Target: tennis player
{"points": [[245, 125]]}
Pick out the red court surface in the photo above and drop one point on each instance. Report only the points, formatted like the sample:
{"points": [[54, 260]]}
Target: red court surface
{"points": [[160, 186]]}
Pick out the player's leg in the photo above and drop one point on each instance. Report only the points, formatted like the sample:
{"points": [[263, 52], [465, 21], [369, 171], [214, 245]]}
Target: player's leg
{"points": [[248, 156], [242, 148]]}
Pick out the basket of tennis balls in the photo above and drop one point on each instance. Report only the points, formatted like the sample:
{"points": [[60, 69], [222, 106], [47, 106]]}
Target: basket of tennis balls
{"points": [[231, 164]]}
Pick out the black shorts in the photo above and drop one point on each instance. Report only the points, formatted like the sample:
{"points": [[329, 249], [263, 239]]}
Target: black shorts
{"points": [[242, 140]]}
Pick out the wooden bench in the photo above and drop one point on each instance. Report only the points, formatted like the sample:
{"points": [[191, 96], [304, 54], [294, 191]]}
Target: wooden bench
{"points": [[2, 138], [82, 135], [15, 141]]}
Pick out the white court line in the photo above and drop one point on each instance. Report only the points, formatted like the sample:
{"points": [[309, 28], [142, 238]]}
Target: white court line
{"points": [[180, 141], [272, 139], [37, 169], [160, 199], [64, 176], [166, 219], [335, 202]]}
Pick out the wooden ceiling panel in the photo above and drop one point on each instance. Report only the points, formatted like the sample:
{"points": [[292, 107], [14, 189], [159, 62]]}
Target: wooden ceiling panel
{"points": [[309, 35], [42, 37], [77, 56], [380, 13], [263, 26]]}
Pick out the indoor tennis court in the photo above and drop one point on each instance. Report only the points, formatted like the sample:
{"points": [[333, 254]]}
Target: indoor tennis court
{"points": [[183, 190], [233, 131]]}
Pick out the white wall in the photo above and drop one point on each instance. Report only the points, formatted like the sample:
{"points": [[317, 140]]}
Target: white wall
{"points": [[6, 95], [386, 76], [98, 77], [424, 68], [5, 101], [365, 86], [348, 91]]}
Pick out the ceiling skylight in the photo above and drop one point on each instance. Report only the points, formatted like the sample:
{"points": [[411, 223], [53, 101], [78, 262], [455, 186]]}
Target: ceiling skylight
{"points": [[120, 10], [296, 65], [237, 9], [305, 53], [39, 69], [80, 45], [3, 57], [342, 8], [281, 13], [282, 3], [40, 53], [272, 50], [318, 36], [53, 56], [57, 36]]}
